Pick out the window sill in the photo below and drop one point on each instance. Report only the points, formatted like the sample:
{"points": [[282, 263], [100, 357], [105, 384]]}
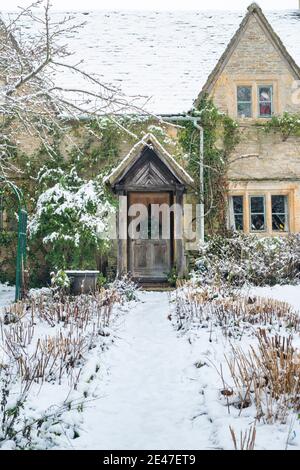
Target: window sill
{"points": [[265, 117], [255, 232]]}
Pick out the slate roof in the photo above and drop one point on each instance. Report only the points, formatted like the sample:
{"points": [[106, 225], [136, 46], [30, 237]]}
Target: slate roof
{"points": [[165, 55]]}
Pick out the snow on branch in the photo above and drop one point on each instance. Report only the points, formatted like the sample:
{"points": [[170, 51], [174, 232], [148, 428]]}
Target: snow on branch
{"points": [[40, 82]]}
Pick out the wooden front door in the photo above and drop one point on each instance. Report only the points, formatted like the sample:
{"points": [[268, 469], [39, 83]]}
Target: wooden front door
{"points": [[150, 259]]}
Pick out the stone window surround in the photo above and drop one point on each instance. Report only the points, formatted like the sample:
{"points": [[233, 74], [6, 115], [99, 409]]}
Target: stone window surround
{"points": [[267, 194], [255, 83]]}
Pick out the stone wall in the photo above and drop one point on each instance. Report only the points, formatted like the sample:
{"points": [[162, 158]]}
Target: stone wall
{"points": [[255, 61]]}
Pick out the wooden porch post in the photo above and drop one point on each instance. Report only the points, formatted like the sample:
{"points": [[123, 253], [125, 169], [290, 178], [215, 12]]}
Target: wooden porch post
{"points": [[178, 233], [122, 261]]}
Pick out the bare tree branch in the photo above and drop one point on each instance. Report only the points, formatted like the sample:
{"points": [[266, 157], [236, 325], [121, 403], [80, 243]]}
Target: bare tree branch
{"points": [[31, 70]]}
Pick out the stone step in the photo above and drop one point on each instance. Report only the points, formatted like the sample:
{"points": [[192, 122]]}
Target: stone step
{"points": [[156, 286]]}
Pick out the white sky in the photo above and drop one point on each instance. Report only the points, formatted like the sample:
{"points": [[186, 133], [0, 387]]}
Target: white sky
{"points": [[155, 4]]}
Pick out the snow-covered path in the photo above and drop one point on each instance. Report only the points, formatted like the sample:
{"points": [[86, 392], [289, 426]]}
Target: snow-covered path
{"points": [[152, 398]]}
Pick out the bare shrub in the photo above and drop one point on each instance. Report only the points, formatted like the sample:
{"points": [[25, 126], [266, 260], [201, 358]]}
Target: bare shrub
{"points": [[240, 259], [73, 326], [246, 440], [76, 323], [79, 310], [52, 359], [233, 313], [269, 377]]}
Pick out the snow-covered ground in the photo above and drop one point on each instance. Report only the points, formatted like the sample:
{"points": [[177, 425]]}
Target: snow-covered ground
{"points": [[156, 387], [154, 397], [290, 294], [7, 294]]}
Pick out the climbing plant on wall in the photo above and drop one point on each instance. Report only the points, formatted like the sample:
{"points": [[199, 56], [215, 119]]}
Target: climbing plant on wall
{"points": [[89, 149], [65, 228], [221, 135], [286, 125]]}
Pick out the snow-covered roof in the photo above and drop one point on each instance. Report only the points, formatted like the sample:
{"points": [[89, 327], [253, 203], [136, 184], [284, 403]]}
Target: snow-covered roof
{"points": [[149, 140], [165, 55]]}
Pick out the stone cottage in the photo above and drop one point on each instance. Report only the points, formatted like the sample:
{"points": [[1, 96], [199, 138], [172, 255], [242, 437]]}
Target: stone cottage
{"points": [[171, 57], [255, 79]]}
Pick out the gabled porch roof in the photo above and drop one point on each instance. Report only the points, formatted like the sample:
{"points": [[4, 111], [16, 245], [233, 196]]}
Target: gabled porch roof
{"points": [[150, 141]]}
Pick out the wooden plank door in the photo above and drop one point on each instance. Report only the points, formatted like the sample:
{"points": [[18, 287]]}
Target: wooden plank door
{"points": [[150, 259]]}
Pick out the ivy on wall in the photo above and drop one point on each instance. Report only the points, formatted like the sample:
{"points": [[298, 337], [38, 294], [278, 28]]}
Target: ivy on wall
{"points": [[286, 125], [90, 149], [8, 234], [221, 135], [8, 243], [95, 147]]}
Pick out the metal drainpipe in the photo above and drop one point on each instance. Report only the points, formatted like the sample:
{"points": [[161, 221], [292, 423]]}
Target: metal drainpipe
{"points": [[201, 179], [196, 121]]}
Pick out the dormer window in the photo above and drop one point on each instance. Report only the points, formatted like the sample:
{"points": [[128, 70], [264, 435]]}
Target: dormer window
{"points": [[265, 97], [244, 101]]}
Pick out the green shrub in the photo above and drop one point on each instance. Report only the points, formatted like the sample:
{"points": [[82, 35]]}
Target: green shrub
{"points": [[70, 220]]}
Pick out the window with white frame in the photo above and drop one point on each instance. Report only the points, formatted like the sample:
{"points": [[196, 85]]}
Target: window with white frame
{"points": [[265, 101], [257, 213], [244, 101], [279, 213], [237, 213]]}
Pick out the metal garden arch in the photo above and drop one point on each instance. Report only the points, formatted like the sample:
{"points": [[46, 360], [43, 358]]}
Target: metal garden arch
{"points": [[22, 229]]}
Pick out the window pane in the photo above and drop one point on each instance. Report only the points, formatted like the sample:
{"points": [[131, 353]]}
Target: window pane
{"points": [[265, 109], [265, 96], [244, 101], [239, 222], [265, 93], [280, 213], [244, 93], [257, 205], [244, 109], [278, 204], [237, 216], [258, 222], [279, 222], [237, 204]]}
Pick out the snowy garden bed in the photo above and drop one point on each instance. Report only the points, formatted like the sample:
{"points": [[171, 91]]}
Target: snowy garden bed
{"points": [[104, 372], [247, 357], [51, 350]]}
